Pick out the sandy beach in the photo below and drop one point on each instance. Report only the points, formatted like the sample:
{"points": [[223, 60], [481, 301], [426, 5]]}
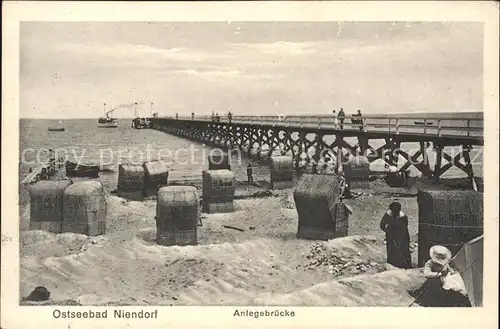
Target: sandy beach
{"points": [[261, 263]]}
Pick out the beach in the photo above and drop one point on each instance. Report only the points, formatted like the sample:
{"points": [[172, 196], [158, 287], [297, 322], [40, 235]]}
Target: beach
{"points": [[259, 263]]}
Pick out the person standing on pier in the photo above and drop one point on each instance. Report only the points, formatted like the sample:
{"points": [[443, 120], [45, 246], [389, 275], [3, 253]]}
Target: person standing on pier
{"points": [[341, 118], [213, 116], [335, 120], [192, 115], [395, 225], [229, 116], [249, 173], [360, 121]]}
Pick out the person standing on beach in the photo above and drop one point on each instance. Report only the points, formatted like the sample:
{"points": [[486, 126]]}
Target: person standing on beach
{"points": [[395, 225], [52, 162], [341, 118], [249, 173]]}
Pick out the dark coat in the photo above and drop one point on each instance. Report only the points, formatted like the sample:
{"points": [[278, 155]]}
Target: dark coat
{"points": [[397, 239]]}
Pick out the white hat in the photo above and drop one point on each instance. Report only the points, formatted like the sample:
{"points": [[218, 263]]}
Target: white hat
{"points": [[440, 254]]}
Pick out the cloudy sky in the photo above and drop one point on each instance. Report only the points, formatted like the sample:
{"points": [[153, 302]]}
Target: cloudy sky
{"points": [[69, 69]]}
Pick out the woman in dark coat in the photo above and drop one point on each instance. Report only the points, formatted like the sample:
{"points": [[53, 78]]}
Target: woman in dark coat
{"points": [[395, 225]]}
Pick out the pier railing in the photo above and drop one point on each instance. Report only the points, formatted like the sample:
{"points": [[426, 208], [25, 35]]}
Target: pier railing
{"points": [[431, 126]]}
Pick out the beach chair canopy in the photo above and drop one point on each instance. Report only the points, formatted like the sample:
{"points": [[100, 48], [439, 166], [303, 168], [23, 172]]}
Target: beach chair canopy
{"points": [[469, 262]]}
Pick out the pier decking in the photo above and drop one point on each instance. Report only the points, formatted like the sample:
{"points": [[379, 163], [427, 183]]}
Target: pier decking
{"points": [[290, 135]]}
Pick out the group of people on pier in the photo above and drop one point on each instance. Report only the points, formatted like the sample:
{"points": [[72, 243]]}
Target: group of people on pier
{"points": [[216, 116], [338, 119]]}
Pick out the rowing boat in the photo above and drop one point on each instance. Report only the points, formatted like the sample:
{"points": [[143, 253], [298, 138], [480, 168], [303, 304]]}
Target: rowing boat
{"points": [[80, 170]]}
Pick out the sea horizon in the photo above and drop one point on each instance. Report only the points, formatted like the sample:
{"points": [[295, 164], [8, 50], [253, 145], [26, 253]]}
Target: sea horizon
{"points": [[445, 114]]}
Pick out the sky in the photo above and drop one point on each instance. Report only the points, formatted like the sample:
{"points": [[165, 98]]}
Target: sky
{"points": [[70, 69]]}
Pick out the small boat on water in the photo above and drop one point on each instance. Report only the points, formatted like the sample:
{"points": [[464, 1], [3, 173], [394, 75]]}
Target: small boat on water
{"points": [[107, 121], [80, 170], [57, 127]]}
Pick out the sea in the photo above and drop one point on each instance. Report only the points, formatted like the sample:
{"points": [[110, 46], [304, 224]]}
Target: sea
{"points": [[85, 142]]}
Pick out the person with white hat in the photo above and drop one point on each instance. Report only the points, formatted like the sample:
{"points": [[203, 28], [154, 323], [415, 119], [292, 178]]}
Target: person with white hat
{"points": [[435, 269], [437, 266], [444, 285]]}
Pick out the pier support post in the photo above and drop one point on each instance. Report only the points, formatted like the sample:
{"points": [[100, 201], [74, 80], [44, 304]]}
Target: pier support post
{"points": [[287, 142], [425, 157], [300, 148], [392, 158], [363, 144], [271, 142], [318, 147], [439, 158], [468, 165], [338, 164]]}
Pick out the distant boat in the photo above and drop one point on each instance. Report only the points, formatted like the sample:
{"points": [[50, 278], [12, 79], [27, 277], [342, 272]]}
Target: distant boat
{"points": [[107, 121], [57, 127]]}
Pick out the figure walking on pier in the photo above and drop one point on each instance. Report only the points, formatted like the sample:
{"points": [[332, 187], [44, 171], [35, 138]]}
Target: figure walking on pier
{"points": [[249, 173], [360, 121]]}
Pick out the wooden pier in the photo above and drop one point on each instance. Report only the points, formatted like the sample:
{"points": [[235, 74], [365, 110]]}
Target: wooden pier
{"points": [[297, 135]]}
